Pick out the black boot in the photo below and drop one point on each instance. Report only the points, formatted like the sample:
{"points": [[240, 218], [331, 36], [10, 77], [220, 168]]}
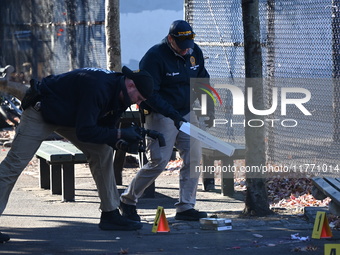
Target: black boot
{"points": [[129, 211], [191, 215], [114, 221]]}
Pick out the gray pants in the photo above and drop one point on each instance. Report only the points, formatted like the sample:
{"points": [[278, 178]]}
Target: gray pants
{"points": [[158, 157], [30, 133]]}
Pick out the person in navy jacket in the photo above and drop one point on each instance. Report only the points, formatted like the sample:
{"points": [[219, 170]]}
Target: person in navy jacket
{"points": [[84, 107], [171, 63]]}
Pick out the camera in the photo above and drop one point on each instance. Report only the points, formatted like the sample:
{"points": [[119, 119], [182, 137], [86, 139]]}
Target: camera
{"points": [[139, 146]]}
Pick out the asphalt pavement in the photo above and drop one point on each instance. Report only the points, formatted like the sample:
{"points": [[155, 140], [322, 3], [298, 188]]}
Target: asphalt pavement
{"points": [[39, 223]]}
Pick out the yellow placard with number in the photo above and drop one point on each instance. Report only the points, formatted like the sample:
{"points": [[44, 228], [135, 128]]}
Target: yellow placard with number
{"points": [[157, 218], [332, 249], [321, 227], [160, 223]]}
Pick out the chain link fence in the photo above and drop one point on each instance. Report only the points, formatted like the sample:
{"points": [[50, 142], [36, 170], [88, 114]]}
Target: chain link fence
{"points": [[42, 37], [300, 49]]}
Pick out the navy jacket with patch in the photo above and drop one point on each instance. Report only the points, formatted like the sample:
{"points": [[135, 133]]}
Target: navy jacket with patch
{"points": [[87, 99], [172, 73]]}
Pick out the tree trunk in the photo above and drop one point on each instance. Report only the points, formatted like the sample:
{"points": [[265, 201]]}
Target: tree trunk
{"points": [[71, 33], [256, 197], [113, 35]]}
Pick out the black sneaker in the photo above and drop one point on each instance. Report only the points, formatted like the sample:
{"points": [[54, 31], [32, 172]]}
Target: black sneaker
{"points": [[129, 211], [4, 238], [190, 214], [114, 221]]}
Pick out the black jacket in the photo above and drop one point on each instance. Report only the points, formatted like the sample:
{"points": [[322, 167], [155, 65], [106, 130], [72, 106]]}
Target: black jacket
{"points": [[172, 73], [87, 99]]}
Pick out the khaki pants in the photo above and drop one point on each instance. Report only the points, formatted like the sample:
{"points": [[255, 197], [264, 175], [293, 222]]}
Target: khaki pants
{"points": [[158, 157], [30, 133]]}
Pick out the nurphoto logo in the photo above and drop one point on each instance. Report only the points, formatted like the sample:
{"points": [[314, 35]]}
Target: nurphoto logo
{"points": [[283, 96]]}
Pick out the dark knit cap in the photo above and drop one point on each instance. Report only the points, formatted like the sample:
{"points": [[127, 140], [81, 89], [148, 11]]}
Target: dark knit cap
{"points": [[142, 79]]}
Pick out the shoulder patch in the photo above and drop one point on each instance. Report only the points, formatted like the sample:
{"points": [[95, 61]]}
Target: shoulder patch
{"points": [[192, 61]]}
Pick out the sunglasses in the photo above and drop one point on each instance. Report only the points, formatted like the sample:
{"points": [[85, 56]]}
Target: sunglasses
{"points": [[183, 37]]}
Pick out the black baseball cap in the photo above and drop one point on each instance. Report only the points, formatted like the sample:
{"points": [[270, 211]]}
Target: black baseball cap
{"points": [[142, 79], [182, 32]]}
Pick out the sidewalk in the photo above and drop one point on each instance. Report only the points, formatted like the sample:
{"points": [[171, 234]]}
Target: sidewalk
{"points": [[39, 223]]}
